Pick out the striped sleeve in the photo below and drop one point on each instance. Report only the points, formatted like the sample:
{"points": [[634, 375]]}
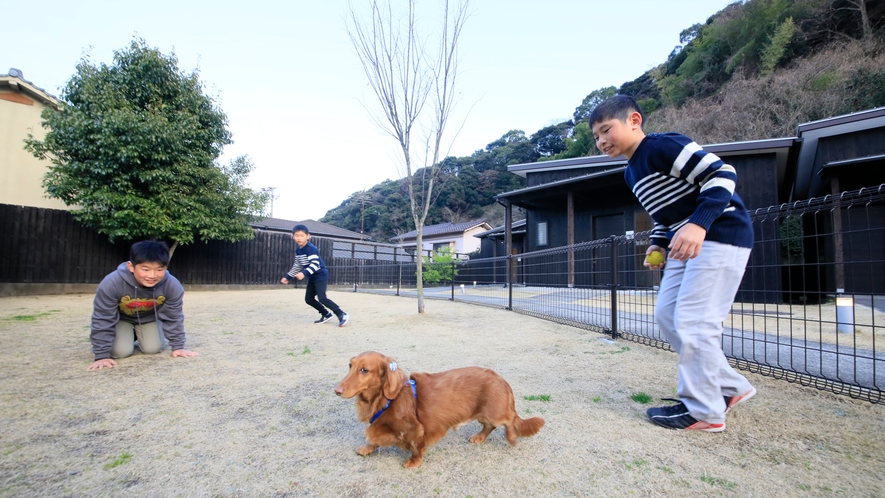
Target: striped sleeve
{"points": [[712, 175]]}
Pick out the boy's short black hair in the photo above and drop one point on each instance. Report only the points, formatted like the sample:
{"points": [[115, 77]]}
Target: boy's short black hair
{"points": [[149, 251], [617, 107], [300, 228]]}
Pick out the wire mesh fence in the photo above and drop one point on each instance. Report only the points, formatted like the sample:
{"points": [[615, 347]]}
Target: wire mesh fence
{"points": [[810, 309]]}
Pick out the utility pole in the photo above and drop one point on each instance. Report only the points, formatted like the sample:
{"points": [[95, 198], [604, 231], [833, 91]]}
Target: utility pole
{"points": [[272, 197]]}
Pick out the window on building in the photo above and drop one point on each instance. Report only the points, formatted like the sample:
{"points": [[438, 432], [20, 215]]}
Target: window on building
{"points": [[542, 233]]}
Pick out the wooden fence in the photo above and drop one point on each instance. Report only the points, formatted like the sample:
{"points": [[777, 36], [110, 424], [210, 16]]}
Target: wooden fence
{"points": [[48, 246]]}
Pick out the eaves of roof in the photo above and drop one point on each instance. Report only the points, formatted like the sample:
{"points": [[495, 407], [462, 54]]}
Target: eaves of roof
{"points": [[24, 86], [559, 183], [563, 164]]}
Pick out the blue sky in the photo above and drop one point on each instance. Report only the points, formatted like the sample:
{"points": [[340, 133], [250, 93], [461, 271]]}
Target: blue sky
{"points": [[286, 75]]}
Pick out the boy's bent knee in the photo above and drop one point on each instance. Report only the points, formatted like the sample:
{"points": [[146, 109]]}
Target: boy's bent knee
{"points": [[151, 349]]}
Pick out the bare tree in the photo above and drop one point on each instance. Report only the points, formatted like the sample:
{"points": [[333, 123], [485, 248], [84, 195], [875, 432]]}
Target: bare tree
{"points": [[404, 76], [861, 7]]}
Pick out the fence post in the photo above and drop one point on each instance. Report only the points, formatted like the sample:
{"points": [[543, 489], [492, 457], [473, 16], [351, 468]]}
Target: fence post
{"points": [[509, 282], [399, 278], [453, 280], [614, 286]]}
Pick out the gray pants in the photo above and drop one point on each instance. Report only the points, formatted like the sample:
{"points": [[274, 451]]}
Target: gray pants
{"points": [[695, 298], [150, 338]]}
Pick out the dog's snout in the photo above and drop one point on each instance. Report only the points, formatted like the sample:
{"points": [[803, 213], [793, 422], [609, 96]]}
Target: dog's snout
{"points": [[339, 390]]}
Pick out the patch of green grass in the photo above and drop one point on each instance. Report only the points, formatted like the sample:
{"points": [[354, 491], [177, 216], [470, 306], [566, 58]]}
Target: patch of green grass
{"points": [[538, 397], [641, 398], [635, 464], [716, 481], [597, 399], [666, 469], [28, 318], [120, 460], [306, 350], [622, 350], [290, 353]]}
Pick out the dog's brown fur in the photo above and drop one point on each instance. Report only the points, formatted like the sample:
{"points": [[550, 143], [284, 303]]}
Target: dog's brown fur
{"points": [[445, 400]]}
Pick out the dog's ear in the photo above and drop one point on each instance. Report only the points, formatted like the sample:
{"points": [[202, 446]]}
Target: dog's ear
{"points": [[393, 378]]}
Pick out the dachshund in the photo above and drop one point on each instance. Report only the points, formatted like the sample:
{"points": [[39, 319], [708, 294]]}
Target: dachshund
{"points": [[415, 412]]}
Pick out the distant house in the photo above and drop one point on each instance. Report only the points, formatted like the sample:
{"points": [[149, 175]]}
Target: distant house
{"points": [[458, 237], [317, 228], [21, 174]]}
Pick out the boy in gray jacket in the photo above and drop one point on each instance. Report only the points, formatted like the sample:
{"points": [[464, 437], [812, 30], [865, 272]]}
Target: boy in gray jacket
{"points": [[139, 300]]}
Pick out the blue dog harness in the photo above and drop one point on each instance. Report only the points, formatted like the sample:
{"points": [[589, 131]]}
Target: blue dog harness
{"points": [[410, 383]]}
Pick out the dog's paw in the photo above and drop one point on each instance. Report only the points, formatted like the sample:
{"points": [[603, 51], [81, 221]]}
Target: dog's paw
{"points": [[477, 438], [365, 450], [413, 463]]}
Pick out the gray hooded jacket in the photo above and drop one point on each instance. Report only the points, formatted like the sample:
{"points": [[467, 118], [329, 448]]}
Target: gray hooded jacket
{"points": [[119, 297]]}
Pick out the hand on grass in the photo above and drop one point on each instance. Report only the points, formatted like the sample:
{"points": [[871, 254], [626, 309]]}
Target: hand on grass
{"points": [[687, 241], [103, 363], [184, 353]]}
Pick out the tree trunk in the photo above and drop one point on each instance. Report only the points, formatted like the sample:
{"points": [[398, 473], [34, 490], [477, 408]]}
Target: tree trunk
{"points": [[419, 267], [172, 249]]}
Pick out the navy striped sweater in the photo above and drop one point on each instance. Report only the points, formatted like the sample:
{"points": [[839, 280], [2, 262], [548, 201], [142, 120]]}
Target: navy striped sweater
{"points": [[308, 262], [678, 182]]}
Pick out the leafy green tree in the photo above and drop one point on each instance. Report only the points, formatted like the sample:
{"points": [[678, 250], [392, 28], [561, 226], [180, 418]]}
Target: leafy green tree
{"points": [[133, 147], [439, 267], [580, 144], [551, 140], [777, 46], [582, 112]]}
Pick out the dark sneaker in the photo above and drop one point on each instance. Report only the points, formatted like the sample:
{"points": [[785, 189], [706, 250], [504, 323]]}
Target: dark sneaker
{"points": [[677, 417], [732, 401], [343, 319], [325, 318]]}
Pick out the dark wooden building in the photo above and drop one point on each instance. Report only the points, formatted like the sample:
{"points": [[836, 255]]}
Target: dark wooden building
{"points": [[842, 154]]}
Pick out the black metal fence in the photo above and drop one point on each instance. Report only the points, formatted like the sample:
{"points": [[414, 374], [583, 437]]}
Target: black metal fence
{"points": [[810, 309]]}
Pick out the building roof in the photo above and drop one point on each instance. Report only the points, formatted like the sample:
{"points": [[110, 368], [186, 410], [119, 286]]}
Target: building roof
{"points": [[563, 164], [808, 182], [516, 227], [16, 81], [316, 228], [450, 228]]}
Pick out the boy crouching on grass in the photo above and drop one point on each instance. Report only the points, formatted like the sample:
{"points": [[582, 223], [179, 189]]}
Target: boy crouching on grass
{"points": [[139, 300], [690, 195], [312, 267]]}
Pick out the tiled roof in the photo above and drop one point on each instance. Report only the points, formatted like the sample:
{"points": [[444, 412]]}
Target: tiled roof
{"points": [[316, 228], [442, 229], [15, 74]]}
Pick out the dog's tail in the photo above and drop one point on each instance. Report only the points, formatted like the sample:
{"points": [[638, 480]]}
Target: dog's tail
{"points": [[528, 427], [523, 428]]}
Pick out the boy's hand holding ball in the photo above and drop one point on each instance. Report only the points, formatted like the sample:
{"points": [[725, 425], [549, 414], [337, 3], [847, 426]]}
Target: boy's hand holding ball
{"points": [[654, 259]]}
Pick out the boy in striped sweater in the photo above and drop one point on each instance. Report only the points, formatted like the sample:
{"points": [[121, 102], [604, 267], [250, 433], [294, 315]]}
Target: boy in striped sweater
{"points": [[703, 223], [309, 265]]}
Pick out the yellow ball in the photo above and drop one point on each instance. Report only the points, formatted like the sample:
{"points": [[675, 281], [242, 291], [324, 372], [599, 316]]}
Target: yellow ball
{"points": [[655, 258]]}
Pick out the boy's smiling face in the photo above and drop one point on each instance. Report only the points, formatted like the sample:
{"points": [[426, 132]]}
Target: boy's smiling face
{"points": [[615, 137], [147, 274]]}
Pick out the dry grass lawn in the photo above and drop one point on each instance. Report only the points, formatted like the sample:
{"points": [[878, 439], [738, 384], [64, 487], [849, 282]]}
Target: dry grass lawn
{"points": [[255, 414]]}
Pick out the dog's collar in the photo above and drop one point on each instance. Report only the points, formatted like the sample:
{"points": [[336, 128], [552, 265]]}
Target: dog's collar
{"points": [[377, 414]]}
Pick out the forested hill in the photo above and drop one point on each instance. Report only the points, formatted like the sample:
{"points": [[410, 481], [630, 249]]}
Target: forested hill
{"points": [[754, 70]]}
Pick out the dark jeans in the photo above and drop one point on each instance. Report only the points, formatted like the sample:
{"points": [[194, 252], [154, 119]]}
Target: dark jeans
{"points": [[315, 295]]}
